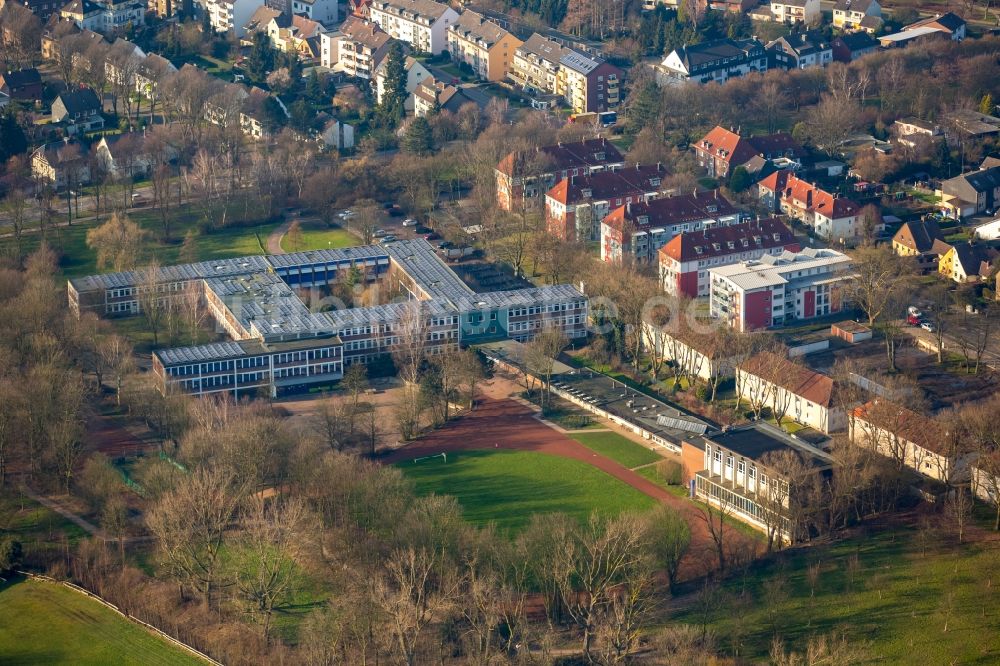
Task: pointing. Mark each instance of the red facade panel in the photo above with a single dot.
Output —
(757, 310)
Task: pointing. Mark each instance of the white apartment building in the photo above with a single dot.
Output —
(792, 390)
(321, 11)
(776, 290)
(230, 16)
(357, 48)
(423, 24)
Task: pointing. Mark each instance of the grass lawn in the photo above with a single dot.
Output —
(46, 623)
(78, 259)
(317, 235)
(895, 597)
(34, 525)
(507, 487)
(623, 451)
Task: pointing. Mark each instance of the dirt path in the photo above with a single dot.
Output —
(274, 238)
(503, 423)
(83, 523)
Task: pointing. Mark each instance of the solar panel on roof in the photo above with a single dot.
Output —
(676, 423)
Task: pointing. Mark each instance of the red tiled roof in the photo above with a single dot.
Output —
(806, 195)
(813, 386)
(736, 150)
(672, 210)
(586, 153)
(775, 181)
(715, 242)
(902, 422)
(627, 181)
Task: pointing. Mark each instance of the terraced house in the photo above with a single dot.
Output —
(423, 24)
(279, 344)
(482, 45)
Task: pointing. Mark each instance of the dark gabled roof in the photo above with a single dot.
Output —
(80, 101)
(800, 45)
(544, 48)
(695, 55)
(969, 185)
(627, 181)
(20, 78)
(857, 41)
(571, 155)
(950, 21)
(853, 5)
(670, 211)
(715, 241)
(919, 235)
(974, 258)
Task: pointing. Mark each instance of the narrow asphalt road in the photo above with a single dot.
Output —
(274, 238)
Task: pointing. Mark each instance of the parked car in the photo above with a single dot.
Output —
(386, 239)
(409, 222)
(913, 320)
(431, 236)
(444, 245)
(380, 232)
(344, 214)
(927, 326)
(913, 310)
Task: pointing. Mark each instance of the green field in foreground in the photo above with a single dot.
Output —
(622, 450)
(317, 235)
(507, 487)
(46, 623)
(898, 598)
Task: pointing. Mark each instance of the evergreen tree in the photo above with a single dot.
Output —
(419, 139)
(391, 108)
(644, 108)
(740, 179)
(12, 139)
(260, 62)
(314, 90)
(302, 116)
(986, 105)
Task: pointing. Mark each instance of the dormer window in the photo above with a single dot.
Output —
(732, 245)
(599, 156)
(712, 208)
(757, 240)
(643, 219)
(699, 249)
(587, 192)
(746, 243)
(777, 238)
(716, 247)
(655, 182)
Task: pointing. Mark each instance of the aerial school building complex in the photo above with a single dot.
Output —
(279, 345)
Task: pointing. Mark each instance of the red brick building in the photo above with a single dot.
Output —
(721, 150)
(639, 230)
(526, 175)
(575, 206)
(685, 261)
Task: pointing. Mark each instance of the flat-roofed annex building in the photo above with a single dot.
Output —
(732, 469)
(280, 345)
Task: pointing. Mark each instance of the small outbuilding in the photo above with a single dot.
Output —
(851, 332)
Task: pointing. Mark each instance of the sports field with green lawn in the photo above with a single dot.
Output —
(507, 487)
(318, 235)
(46, 623)
(623, 451)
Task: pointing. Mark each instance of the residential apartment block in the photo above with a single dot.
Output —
(722, 150)
(730, 469)
(230, 16)
(482, 45)
(522, 176)
(830, 215)
(685, 261)
(358, 49)
(325, 12)
(803, 395)
(423, 24)
(576, 205)
(279, 345)
(639, 230)
(587, 83)
(776, 290)
(104, 16)
(717, 60)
